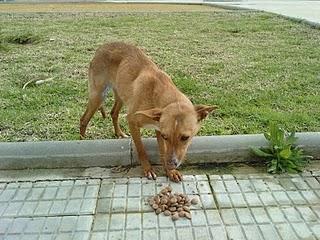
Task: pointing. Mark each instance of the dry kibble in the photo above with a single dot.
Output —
(182, 196)
(157, 199)
(187, 209)
(173, 209)
(176, 205)
(163, 207)
(181, 214)
(164, 201)
(167, 213)
(173, 200)
(164, 191)
(175, 217)
(194, 201)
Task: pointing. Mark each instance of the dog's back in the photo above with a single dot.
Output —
(118, 54)
(116, 63)
(130, 72)
(115, 52)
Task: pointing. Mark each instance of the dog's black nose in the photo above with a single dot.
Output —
(175, 162)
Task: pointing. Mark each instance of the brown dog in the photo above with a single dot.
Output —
(152, 100)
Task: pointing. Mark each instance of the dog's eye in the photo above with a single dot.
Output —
(184, 138)
(164, 137)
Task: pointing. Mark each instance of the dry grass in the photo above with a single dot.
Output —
(102, 7)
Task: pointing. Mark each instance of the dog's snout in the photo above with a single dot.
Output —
(174, 162)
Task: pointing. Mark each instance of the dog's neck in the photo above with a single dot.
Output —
(166, 93)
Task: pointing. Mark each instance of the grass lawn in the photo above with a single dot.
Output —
(255, 66)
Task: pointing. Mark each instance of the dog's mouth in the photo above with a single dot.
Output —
(174, 164)
(178, 164)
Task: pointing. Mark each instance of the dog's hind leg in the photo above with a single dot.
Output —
(93, 105)
(104, 94)
(98, 89)
(103, 111)
(115, 115)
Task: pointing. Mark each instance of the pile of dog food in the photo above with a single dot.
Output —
(176, 205)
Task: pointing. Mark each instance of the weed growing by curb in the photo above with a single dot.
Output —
(282, 154)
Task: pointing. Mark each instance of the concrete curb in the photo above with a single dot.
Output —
(65, 154)
(113, 152)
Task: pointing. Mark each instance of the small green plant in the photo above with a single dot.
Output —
(22, 38)
(3, 46)
(282, 154)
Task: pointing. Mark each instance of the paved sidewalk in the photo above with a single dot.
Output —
(299, 9)
(256, 206)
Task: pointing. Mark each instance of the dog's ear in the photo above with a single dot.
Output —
(154, 113)
(203, 110)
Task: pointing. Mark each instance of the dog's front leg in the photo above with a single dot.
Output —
(142, 154)
(173, 174)
(162, 150)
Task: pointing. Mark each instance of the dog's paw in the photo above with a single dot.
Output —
(122, 135)
(150, 174)
(174, 175)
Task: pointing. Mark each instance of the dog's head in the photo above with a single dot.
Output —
(177, 123)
